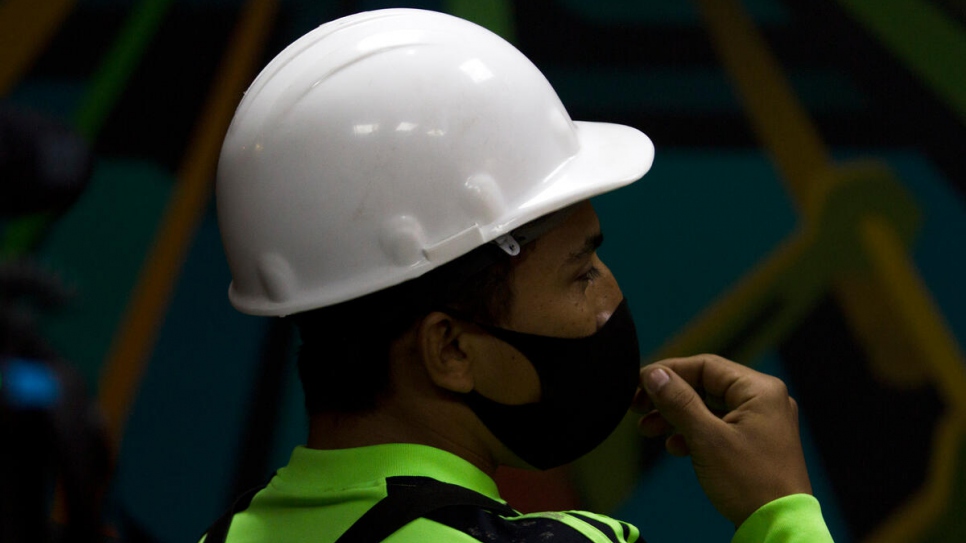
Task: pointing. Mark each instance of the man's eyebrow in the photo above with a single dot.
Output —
(591, 244)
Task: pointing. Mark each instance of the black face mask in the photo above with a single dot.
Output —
(587, 384)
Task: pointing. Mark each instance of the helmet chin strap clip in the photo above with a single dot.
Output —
(524, 235)
(508, 243)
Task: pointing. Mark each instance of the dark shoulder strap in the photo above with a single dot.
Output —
(410, 498)
(218, 532)
(407, 499)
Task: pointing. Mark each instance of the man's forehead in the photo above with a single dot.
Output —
(576, 237)
(539, 227)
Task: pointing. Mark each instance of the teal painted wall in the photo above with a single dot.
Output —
(711, 210)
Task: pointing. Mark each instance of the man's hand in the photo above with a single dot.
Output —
(739, 426)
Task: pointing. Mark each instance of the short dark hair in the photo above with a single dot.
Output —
(343, 361)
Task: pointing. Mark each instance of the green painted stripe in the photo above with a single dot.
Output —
(102, 93)
(112, 75)
(20, 234)
(496, 15)
(931, 44)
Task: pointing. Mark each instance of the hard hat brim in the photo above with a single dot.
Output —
(611, 156)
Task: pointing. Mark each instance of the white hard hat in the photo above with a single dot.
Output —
(384, 144)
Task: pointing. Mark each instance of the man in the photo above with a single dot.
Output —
(408, 187)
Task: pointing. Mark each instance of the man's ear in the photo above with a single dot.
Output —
(448, 364)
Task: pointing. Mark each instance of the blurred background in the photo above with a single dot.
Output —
(805, 216)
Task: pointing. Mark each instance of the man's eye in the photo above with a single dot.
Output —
(589, 275)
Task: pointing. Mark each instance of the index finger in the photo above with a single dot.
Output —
(718, 377)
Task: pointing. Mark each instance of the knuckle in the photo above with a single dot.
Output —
(776, 387)
(712, 358)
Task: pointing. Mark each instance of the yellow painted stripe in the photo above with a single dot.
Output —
(778, 118)
(786, 131)
(140, 325)
(919, 313)
(794, 144)
(918, 514)
(770, 280)
(26, 27)
(925, 39)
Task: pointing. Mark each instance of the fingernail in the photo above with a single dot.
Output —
(656, 380)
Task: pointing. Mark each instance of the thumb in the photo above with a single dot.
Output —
(676, 400)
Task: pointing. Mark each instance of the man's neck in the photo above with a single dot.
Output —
(393, 425)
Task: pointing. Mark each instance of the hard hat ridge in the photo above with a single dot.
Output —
(385, 144)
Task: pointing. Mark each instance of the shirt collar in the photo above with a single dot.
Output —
(312, 470)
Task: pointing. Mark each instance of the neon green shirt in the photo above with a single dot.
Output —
(792, 519)
(320, 494)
